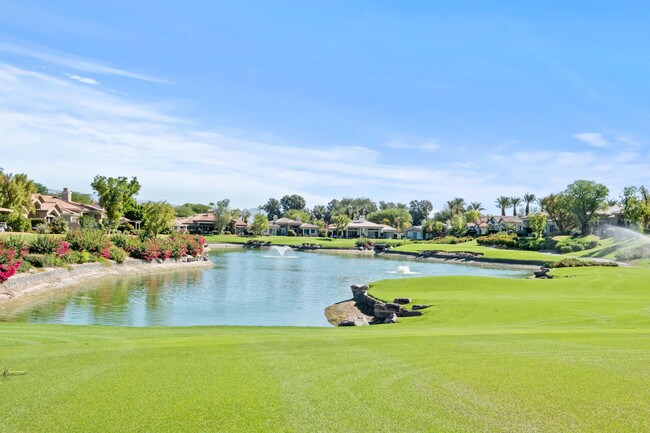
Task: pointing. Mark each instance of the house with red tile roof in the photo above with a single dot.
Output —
(50, 207)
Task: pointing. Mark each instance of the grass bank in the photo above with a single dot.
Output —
(295, 240)
(568, 354)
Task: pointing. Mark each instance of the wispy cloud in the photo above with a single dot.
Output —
(427, 146)
(72, 62)
(594, 139)
(63, 132)
(81, 79)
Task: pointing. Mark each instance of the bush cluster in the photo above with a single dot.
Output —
(642, 252)
(93, 241)
(452, 240)
(577, 263)
(501, 239)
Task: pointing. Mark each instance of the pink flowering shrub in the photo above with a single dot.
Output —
(93, 241)
(63, 249)
(10, 261)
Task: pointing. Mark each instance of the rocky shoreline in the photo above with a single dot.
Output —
(28, 286)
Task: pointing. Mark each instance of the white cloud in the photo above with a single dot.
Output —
(595, 139)
(81, 79)
(64, 132)
(72, 62)
(427, 146)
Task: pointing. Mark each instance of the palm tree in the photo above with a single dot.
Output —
(503, 202)
(514, 202)
(476, 205)
(528, 198)
(457, 205)
(612, 202)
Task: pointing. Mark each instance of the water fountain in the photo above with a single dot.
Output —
(283, 252)
(403, 270)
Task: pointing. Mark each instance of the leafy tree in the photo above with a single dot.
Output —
(235, 214)
(40, 188)
(514, 202)
(296, 214)
(458, 225)
(434, 227)
(292, 202)
(245, 215)
(222, 215)
(528, 199)
(472, 215)
(319, 212)
(503, 202)
(79, 197)
(400, 218)
(260, 224)
(611, 202)
(158, 217)
(341, 221)
(537, 223)
(272, 208)
(420, 210)
(116, 195)
(16, 193)
(645, 200)
(632, 206)
(183, 211)
(558, 210)
(88, 222)
(585, 197)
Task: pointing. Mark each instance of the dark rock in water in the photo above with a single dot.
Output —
(543, 273)
(391, 319)
(402, 301)
(420, 306)
(354, 321)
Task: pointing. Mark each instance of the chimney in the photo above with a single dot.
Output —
(362, 218)
(66, 195)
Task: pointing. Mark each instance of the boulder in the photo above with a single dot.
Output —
(402, 301)
(354, 321)
(419, 306)
(391, 319)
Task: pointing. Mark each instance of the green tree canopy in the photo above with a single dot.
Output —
(272, 208)
(260, 224)
(292, 202)
(116, 195)
(399, 218)
(537, 223)
(158, 217)
(222, 215)
(420, 210)
(585, 197)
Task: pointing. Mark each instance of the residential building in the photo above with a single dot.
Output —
(50, 207)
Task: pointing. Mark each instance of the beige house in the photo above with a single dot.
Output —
(281, 227)
(200, 223)
(49, 207)
(361, 228)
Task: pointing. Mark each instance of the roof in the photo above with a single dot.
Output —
(413, 229)
(308, 226)
(49, 203)
(238, 223)
(287, 222)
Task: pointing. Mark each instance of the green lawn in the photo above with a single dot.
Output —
(563, 355)
(488, 252)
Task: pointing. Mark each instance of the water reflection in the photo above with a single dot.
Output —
(244, 288)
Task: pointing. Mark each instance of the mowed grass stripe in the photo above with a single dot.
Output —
(568, 354)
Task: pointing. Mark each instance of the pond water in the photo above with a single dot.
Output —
(244, 288)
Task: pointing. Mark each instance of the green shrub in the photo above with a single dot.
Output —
(58, 226)
(42, 229)
(577, 263)
(14, 243)
(16, 222)
(43, 260)
(117, 254)
(501, 239)
(126, 242)
(291, 233)
(452, 240)
(93, 241)
(564, 249)
(43, 244)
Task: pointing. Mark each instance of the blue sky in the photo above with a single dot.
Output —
(392, 100)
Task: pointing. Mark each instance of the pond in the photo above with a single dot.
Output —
(244, 288)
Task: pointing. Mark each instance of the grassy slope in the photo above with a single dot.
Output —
(568, 354)
(488, 252)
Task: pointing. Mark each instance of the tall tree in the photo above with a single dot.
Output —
(476, 205)
(645, 200)
(245, 215)
(472, 215)
(222, 215)
(272, 208)
(158, 217)
(115, 195)
(585, 198)
(528, 199)
(319, 212)
(400, 218)
(420, 210)
(503, 202)
(260, 224)
(558, 210)
(456, 205)
(514, 202)
(292, 202)
(537, 222)
(341, 221)
(16, 193)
